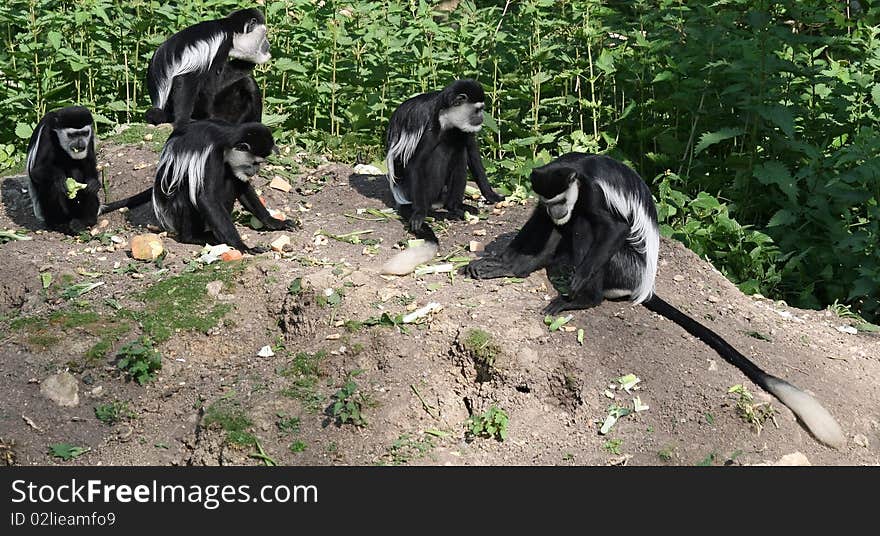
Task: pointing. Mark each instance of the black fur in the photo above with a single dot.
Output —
(222, 87)
(611, 238)
(596, 238)
(437, 169)
(49, 166)
(428, 156)
(215, 190)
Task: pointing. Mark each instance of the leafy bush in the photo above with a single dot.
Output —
(139, 360)
(491, 424)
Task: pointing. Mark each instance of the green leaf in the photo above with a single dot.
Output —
(66, 451)
(24, 131)
(295, 286)
(875, 94)
(711, 138)
(54, 39)
(782, 217)
(46, 279)
(663, 76)
(780, 116)
(775, 172)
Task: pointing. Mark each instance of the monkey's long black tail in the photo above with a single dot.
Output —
(138, 199)
(816, 418)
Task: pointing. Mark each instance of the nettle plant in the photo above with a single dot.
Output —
(768, 109)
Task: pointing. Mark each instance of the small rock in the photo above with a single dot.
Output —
(231, 255)
(146, 247)
(97, 391)
(476, 246)
(713, 299)
(793, 459)
(678, 277)
(214, 288)
(279, 243)
(61, 388)
(103, 224)
(116, 239)
(861, 440)
(847, 329)
(266, 351)
(148, 137)
(280, 184)
(366, 169)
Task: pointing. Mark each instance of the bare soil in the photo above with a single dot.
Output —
(415, 388)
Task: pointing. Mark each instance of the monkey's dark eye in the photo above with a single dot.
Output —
(243, 146)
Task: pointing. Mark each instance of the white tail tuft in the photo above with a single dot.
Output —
(406, 261)
(816, 418)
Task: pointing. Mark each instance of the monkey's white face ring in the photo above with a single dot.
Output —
(466, 117)
(244, 165)
(75, 141)
(251, 46)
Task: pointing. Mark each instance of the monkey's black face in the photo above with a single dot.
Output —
(558, 191)
(254, 145)
(463, 114)
(75, 141)
(244, 164)
(249, 38)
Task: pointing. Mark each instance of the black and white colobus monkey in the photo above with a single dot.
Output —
(598, 214)
(431, 144)
(204, 168)
(204, 71)
(63, 147)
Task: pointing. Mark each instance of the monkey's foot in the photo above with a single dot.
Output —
(562, 304)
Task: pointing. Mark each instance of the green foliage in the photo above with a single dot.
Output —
(407, 448)
(751, 413)
(482, 347)
(181, 302)
(768, 109)
(66, 451)
(704, 225)
(228, 414)
(349, 403)
(139, 360)
(613, 446)
(490, 424)
(113, 412)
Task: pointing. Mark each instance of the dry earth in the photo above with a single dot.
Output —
(416, 387)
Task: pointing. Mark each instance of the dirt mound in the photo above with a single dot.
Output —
(482, 380)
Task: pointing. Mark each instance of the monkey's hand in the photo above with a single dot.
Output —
(275, 224)
(256, 250)
(416, 221)
(486, 268)
(491, 197)
(292, 225)
(92, 186)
